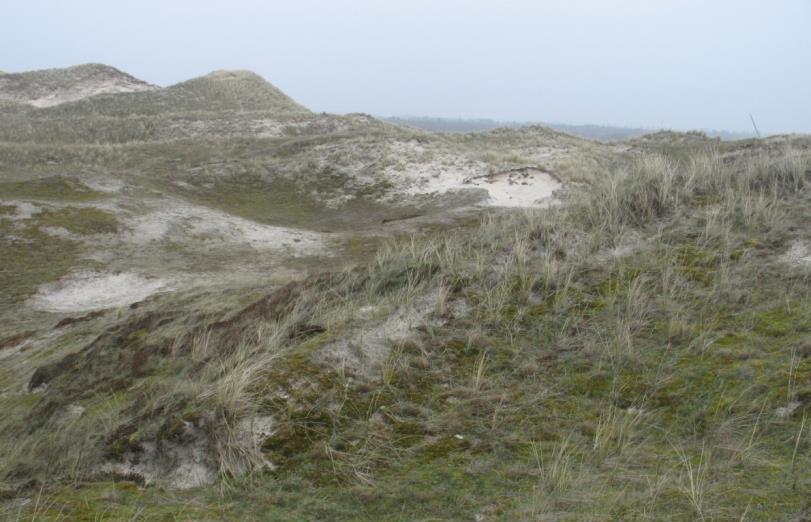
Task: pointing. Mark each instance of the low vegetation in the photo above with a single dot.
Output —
(640, 351)
(22, 251)
(79, 220)
(51, 188)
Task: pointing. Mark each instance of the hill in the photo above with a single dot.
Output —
(249, 311)
(223, 102)
(218, 91)
(50, 87)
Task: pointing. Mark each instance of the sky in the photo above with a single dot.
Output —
(679, 64)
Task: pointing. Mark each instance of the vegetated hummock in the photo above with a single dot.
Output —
(353, 320)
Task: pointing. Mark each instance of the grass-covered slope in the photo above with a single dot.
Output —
(641, 351)
(49, 87)
(217, 91)
(107, 106)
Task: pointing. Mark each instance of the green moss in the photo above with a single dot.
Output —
(617, 282)
(283, 201)
(20, 404)
(30, 258)
(441, 448)
(696, 264)
(783, 320)
(730, 340)
(53, 188)
(79, 220)
(122, 501)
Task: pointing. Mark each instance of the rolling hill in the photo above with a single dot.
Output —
(218, 305)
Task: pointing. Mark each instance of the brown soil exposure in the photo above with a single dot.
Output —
(14, 340)
(69, 321)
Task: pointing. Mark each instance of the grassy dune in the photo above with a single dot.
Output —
(640, 351)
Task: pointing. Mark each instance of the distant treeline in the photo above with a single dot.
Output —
(595, 132)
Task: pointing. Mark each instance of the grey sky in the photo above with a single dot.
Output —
(679, 64)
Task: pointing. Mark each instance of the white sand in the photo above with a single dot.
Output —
(80, 92)
(182, 465)
(87, 291)
(524, 187)
(23, 209)
(107, 185)
(59, 232)
(180, 221)
(798, 255)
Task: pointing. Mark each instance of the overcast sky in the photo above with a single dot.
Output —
(668, 63)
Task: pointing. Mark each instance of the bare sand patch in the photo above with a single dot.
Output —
(80, 92)
(799, 254)
(23, 210)
(365, 348)
(87, 291)
(183, 222)
(59, 232)
(106, 185)
(519, 187)
(182, 465)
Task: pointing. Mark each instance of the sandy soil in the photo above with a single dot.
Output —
(87, 291)
(521, 187)
(145, 232)
(799, 254)
(23, 209)
(517, 188)
(525, 188)
(185, 465)
(189, 467)
(79, 92)
(107, 185)
(365, 349)
(181, 221)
